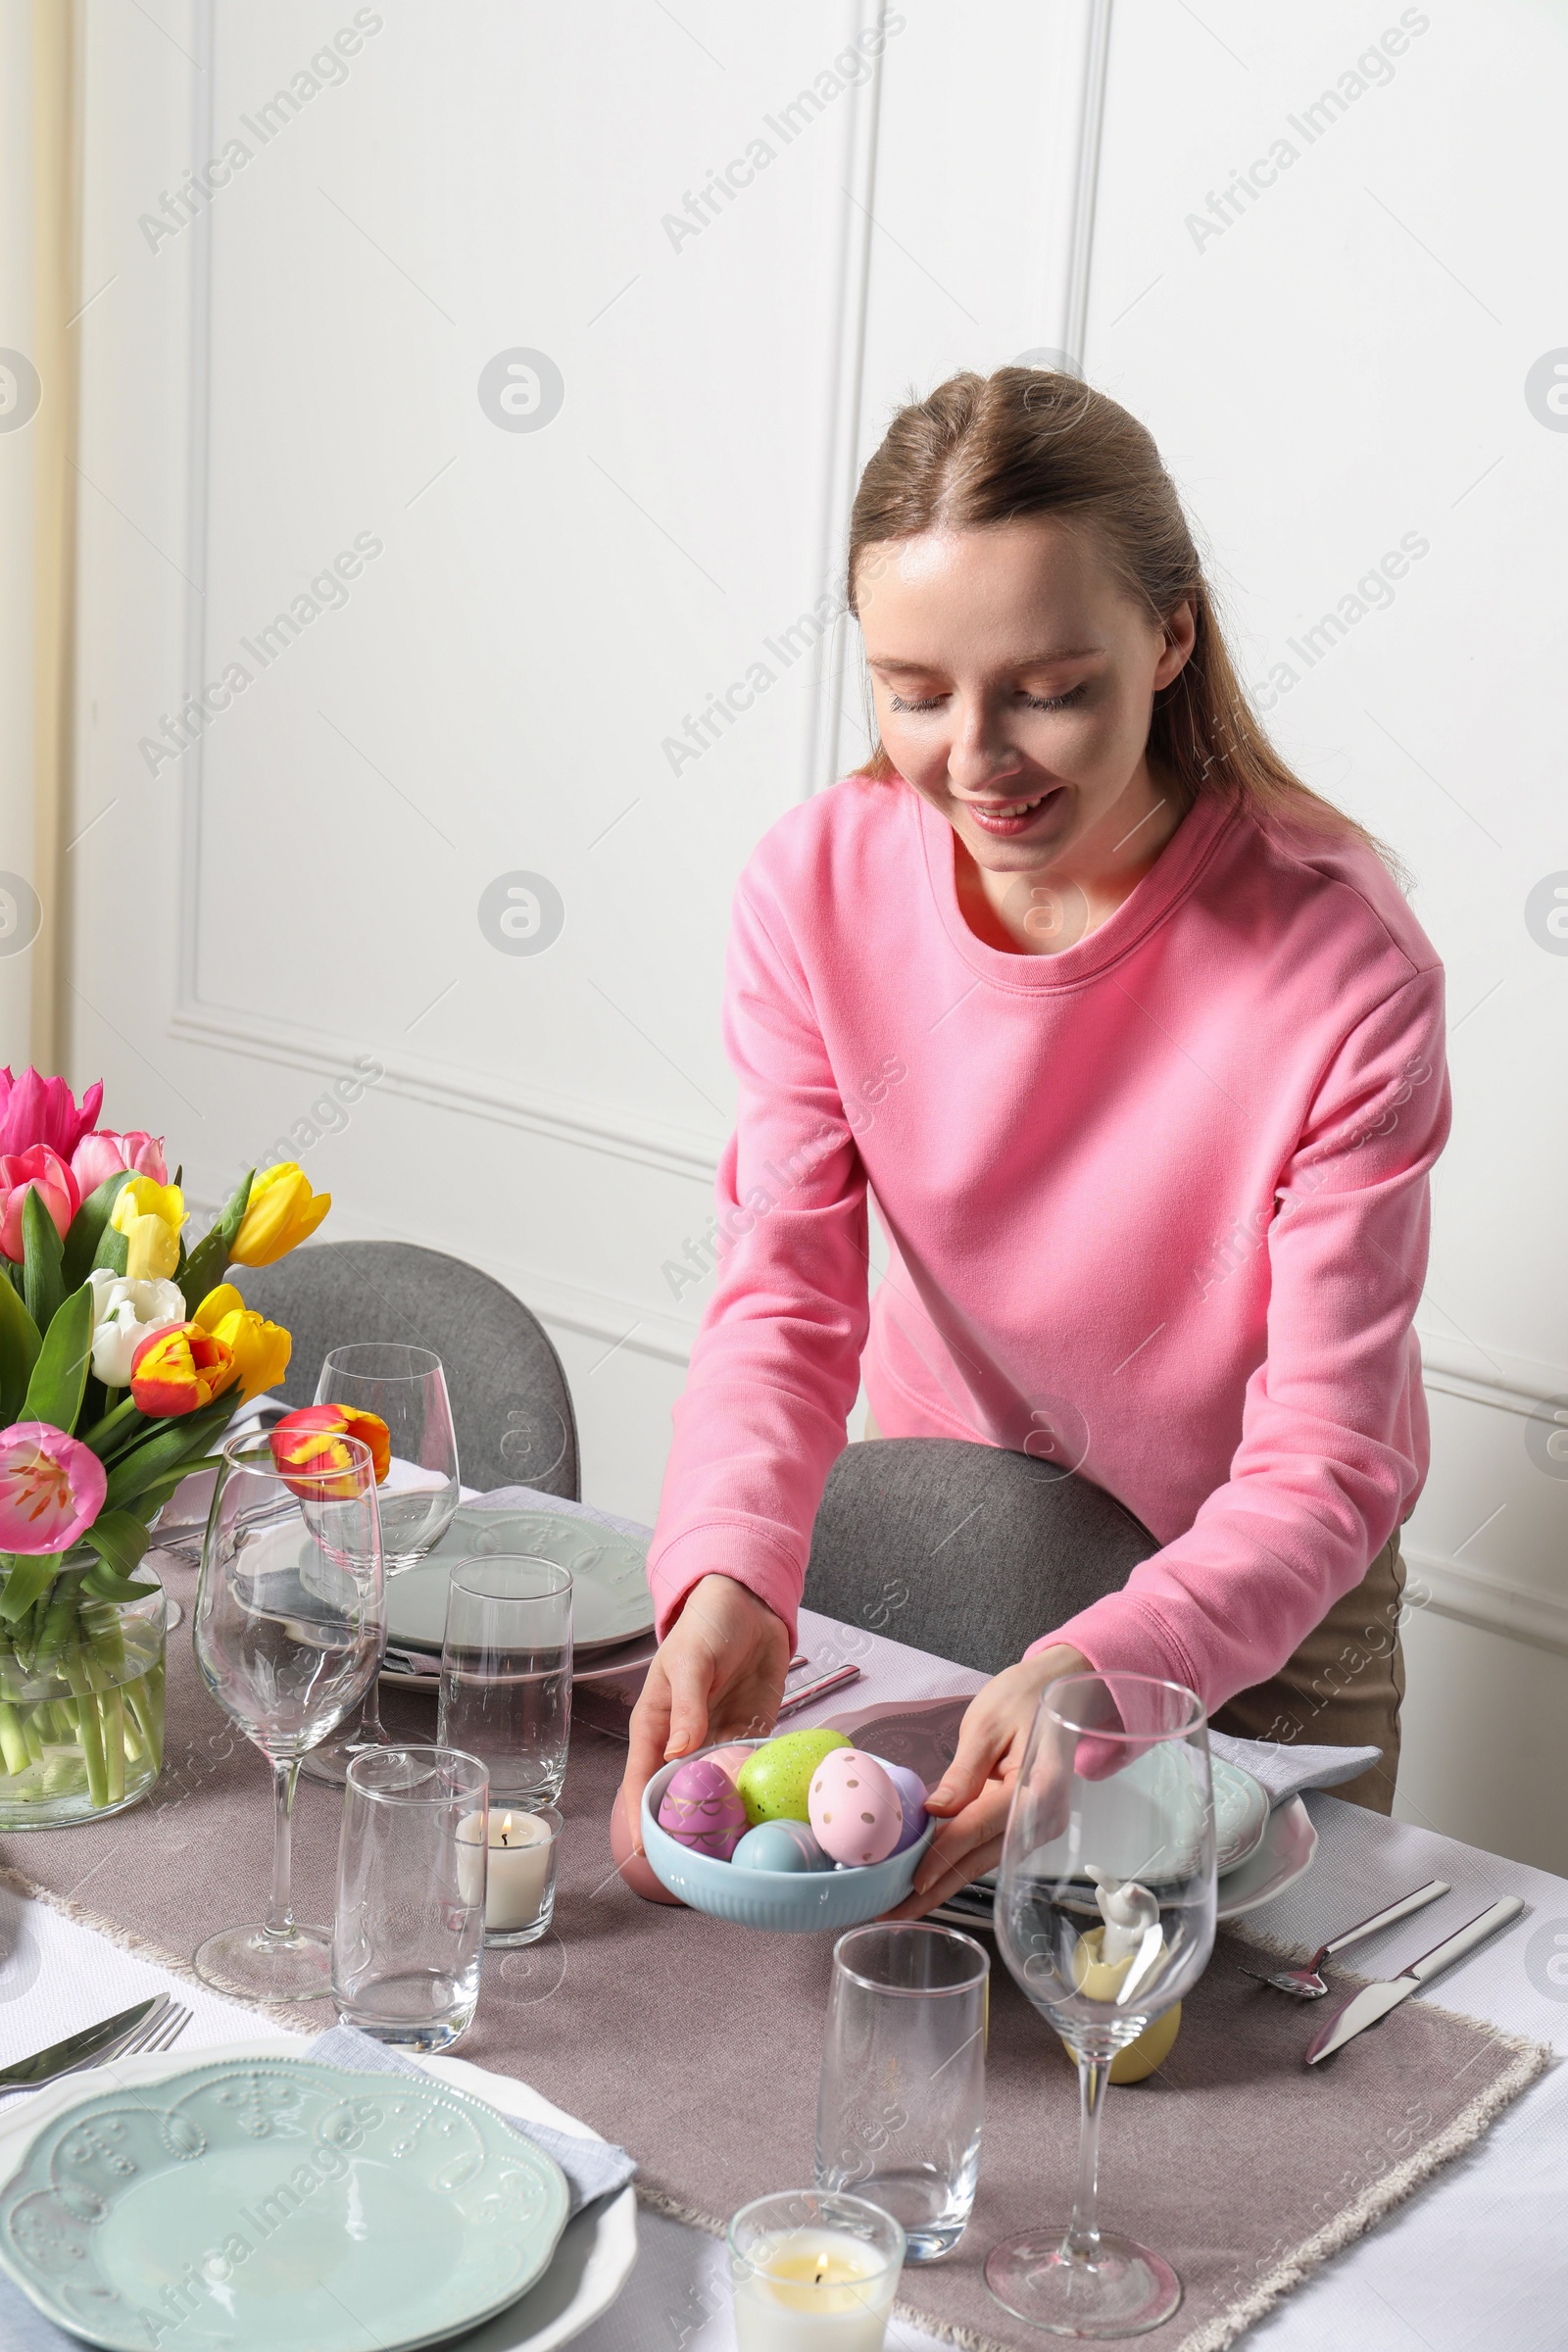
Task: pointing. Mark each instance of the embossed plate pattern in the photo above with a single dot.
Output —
(248, 2206)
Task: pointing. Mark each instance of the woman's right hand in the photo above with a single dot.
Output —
(717, 1674)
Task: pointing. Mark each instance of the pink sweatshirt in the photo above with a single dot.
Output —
(1157, 1206)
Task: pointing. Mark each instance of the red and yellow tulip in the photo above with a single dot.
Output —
(179, 1369)
(311, 1455)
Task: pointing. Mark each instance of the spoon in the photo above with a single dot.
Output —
(1306, 1984)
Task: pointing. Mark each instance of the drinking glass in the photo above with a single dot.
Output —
(1104, 1914)
(288, 1626)
(904, 2074)
(407, 1389)
(811, 2268)
(411, 1883)
(506, 1673)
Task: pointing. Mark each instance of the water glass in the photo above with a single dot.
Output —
(290, 1618)
(406, 1387)
(903, 2076)
(506, 1674)
(411, 1888)
(811, 2270)
(1104, 1914)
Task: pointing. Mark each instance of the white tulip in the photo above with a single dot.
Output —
(123, 1314)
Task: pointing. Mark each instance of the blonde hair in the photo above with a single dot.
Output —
(986, 449)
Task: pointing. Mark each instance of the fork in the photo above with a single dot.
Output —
(159, 2029)
(1306, 1983)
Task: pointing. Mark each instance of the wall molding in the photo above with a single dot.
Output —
(1493, 1604)
(1450, 1371)
(662, 1144)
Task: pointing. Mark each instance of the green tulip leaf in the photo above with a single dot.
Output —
(57, 1378)
(119, 1539)
(19, 1343)
(41, 1253)
(173, 1447)
(102, 1584)
(208, 1262)
(27, 1579)
(87, 1229)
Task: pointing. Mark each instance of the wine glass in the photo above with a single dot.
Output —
(407, 1389)
(1104, 1913)
(290, 1617)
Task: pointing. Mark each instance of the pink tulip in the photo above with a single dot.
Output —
(44, 1172)
(44, 1110)
(51, 1488)
(99, 1156)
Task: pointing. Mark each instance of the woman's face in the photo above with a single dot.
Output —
(1014, 682)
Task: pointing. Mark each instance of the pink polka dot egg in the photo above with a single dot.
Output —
(854, 1808)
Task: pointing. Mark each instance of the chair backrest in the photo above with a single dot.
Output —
(511, 1404)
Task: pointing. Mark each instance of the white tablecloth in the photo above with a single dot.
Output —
(1477, 2260)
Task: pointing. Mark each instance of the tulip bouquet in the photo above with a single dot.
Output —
(124, 1353)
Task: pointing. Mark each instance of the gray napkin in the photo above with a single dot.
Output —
(1284, 1772)
(593, 2166)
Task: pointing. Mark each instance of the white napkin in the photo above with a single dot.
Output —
(593, 2166)
(1284, 1772)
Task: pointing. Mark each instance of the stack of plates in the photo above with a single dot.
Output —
(254, 2199)
(612, 1607)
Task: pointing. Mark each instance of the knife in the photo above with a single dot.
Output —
(77, 2048)
(1373, 2001)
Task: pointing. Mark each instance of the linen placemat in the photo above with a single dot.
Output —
(696, 2045)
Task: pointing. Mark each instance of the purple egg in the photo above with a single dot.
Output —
(702, 1808)
(912, 1797)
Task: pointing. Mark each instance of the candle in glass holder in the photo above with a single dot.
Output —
(813, 2290)
(518, 1867)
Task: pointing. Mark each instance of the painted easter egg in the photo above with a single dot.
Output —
(781, 1845)
(854, 1808)
(702, 1808)
(775, 1781)
(912, 1797)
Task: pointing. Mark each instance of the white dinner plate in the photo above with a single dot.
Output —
(592, 2261)
(610, 1602)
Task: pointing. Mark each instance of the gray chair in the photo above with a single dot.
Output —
(511, 1404)
(964, 1550)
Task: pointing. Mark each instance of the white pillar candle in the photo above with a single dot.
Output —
(518, 1868)
(814, 2290)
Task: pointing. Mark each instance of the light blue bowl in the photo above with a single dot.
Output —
(791, 1903)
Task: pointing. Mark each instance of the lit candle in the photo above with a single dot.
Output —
(814, 2290)
(518, 1868)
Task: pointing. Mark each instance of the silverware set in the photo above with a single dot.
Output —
(151, 2024)
(1375, 2001)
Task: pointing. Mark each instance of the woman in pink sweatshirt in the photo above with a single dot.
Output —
(1139, 1050)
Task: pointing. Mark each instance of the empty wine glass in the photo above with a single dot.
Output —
(288, 1628)
(1104, 1914)
(406, 1387)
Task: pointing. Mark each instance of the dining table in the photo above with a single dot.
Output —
(1476, 2256)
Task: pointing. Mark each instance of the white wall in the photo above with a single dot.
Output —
(1341, 365)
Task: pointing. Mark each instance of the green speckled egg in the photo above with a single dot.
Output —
(775, 1783)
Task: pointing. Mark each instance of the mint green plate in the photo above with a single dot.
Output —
(273, 2203)
(610, 1602)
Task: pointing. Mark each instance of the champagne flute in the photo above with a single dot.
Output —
(288, 1628)
(1104, 1914)
(407, 1389)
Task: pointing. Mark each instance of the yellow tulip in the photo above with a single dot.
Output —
(261, 1350)
(282, 1211)
(150, 1216)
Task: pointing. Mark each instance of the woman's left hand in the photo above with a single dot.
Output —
(975, 1793)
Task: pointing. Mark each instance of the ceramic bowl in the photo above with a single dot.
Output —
(790, 1902)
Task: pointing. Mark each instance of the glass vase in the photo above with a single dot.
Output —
(81, 1706)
